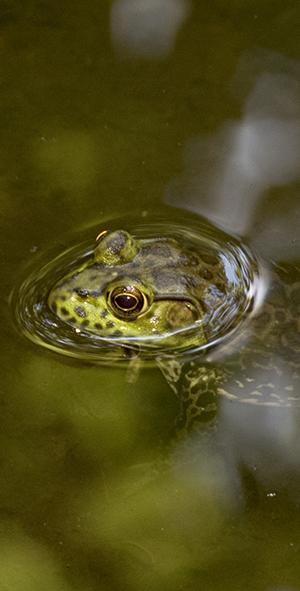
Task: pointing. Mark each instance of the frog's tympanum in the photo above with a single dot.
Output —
(148, 291)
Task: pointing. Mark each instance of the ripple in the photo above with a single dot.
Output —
(226, 313)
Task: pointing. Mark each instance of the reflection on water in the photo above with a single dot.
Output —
(146, 28)
(228, 175)
(250, 438)
(255, 455)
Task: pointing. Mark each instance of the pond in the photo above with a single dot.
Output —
(143, 107)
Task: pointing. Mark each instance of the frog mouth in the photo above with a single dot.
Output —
(175, 297)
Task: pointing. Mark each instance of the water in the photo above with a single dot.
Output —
(96, 491)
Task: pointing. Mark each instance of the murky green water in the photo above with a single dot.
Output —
(109, 107)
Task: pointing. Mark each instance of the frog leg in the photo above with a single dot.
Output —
(196, 386)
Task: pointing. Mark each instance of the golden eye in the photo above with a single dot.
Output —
(127, 301)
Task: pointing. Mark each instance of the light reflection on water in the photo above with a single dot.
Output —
(146, 28)
(228, 175)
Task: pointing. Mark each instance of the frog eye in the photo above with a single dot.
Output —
(127, 301)
(115, 248)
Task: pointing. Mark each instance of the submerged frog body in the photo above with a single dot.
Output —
(172, 296)
(150, 290)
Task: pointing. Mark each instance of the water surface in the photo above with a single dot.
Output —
(107, 108)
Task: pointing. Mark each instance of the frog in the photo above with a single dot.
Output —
(148, 292)
(123, 292)
(168, 297)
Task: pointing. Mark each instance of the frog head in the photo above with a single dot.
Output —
(131, 291)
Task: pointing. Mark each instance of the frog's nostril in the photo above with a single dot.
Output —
(80, 311)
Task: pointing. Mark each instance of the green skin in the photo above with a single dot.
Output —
(149, 290)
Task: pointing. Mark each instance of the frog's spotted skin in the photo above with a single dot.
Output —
(163, 291)
(148, 290)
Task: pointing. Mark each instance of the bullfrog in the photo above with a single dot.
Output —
(153, 292)
(168, 297)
